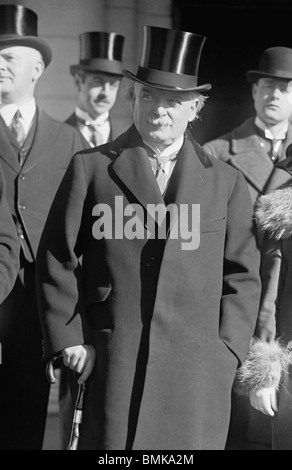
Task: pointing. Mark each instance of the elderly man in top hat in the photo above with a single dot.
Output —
(97, 78)
(255, 148)
(35, 151)
(162, 311)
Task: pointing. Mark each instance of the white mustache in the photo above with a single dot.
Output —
(159, 122)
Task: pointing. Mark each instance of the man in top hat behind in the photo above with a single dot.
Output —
(35, 151)
(254, 148)
(160, 314)
(97, 78)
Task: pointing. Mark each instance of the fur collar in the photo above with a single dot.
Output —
(273, 213)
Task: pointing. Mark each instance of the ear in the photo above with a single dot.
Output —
(38, 69)
(193, 110)
(254, 89)
(78, 80)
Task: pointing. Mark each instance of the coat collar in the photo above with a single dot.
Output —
(8, 147)
(249, 158)
(133, 168)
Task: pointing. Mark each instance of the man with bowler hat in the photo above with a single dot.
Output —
(257, 144)
(254, 148)
(97, 77)
(158, 316)
(35, 151)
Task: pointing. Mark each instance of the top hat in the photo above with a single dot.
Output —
(169, 60)
(19, 27)
(100, 52)
(275, 62)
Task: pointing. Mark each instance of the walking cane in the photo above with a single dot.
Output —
(78, 410)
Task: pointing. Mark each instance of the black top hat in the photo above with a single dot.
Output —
(100, 52)
(275, 62)
(19, 27)
(170, 60)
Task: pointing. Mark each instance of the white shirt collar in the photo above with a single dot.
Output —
(99, 121)
(27, 110)
(171, 150)
(281, 134)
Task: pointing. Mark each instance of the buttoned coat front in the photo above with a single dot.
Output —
(169, 325)
(30, 191)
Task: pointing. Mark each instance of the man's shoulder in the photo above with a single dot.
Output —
(241, 131)
(222, 145)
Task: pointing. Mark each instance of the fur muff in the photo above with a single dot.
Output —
(273, 213)
(264, 366)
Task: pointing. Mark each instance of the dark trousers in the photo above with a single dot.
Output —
(24, 389)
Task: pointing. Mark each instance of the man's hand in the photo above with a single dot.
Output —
(264, 400)
(81, 359)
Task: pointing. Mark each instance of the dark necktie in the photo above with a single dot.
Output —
(17, 128)
(275, 145)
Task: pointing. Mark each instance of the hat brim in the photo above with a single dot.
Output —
(29, 41)
(254, 75)
(101, 66)
(201, 88)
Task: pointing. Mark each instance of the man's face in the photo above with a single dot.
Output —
(160, 116)
(97, 92)
(273, 100)
(20, 68)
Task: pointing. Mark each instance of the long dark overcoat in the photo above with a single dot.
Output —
(9, 246)
(170, 326)
(30, 191)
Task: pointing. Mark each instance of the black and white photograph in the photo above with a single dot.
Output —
(145, 227)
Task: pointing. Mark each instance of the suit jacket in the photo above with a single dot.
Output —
(241, 148)
(117, 126)
(9, 245)
(31, 188)
(170, 326)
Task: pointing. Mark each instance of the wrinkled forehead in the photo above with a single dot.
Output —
(168, 94)
(19, 51)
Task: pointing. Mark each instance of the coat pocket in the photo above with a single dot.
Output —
(214, 225)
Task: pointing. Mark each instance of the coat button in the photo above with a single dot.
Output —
(22, 177)
(150, 262)
(22, 207)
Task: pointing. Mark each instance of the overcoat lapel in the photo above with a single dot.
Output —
(45, 137)
(251, 160)
(8, 147)
(190, 189)
(134, 169)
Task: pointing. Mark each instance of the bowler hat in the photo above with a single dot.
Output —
(169, 60)
(100, 52)
(19, 27)
(275, 62)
